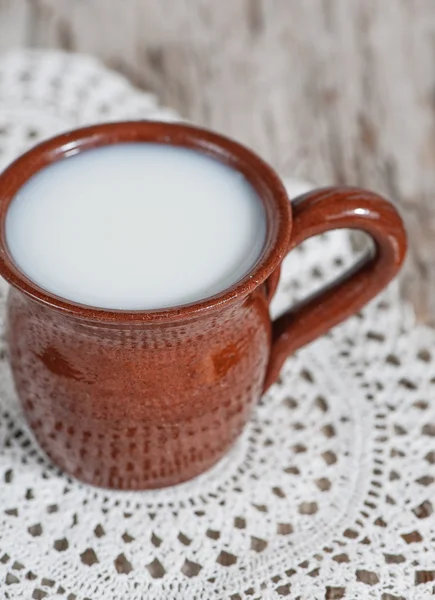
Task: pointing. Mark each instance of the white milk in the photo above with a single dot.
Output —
(136, 226)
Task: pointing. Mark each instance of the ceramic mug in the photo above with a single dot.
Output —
(145, 399)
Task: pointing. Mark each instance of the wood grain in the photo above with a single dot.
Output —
(335, 91)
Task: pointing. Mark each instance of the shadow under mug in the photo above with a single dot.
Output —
(146, 399)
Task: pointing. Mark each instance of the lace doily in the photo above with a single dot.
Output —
(327, 495)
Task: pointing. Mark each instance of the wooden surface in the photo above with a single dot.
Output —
(334, 91)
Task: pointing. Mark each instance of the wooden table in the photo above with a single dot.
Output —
(333, 91)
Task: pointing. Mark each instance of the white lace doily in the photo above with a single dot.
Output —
(329, 492)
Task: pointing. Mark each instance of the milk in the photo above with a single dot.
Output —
(136, 227)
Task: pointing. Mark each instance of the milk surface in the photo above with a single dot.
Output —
(136, 227)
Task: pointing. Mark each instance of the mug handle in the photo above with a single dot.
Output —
(323, 210)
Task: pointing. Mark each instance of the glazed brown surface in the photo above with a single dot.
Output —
(137, 407)
(143, 399)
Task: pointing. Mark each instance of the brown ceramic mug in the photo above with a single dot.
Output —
(146, 399)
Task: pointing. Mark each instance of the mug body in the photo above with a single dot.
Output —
(142, 399)
(137, 406)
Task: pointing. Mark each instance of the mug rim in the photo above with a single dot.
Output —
(261, 176)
